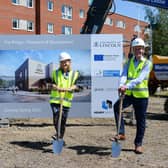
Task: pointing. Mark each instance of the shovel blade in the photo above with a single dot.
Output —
(58, 146)
(116, 149)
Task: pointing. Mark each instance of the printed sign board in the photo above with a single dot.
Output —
(161, 71)
(26, 63)
(106, 65)
(155, 3)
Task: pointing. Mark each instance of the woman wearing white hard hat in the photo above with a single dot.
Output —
(64, 56)
(134, 85)
(63, 84)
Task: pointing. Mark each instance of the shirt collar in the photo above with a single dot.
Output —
(63, 71)
(142, 59)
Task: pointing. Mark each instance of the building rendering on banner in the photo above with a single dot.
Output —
(33, 74)
(61, 17)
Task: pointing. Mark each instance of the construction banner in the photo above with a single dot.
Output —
(106, 66)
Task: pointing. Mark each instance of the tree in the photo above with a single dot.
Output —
(1, 82)
(158, 23)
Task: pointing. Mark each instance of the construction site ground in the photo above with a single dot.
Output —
(27, 143)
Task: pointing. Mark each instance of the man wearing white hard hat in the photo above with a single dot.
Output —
(134, 87)
(63, 85)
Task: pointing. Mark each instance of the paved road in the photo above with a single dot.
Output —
(29, 97)
(22, 97)
(32, 105)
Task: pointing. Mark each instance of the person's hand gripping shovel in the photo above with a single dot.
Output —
(116, 145)
(59, 142)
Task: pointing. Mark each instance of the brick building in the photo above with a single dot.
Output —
(60, 17)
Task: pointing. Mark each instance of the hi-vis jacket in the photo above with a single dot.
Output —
(141, 90)
(63, 82)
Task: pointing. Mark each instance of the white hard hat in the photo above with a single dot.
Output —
(138, 42)
(64, 56)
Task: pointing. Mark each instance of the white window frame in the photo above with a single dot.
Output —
(66, 12)
(120, 24)
(67, 30)
(137, 28)
(25, 3)
(50, 5)
(108, 21)
(50, 28)
(81, 13)
(22, 24)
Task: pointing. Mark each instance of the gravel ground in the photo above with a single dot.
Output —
(27, 143)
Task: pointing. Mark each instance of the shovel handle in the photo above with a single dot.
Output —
(120, 112)
(60, 115)
(61, 111)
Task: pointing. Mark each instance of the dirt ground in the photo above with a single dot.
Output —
(27, 143)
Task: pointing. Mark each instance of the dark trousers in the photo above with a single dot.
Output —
(140, 107)
(56, 111)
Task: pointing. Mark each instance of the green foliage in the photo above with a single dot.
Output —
(159, 24)
(1, 82)
(6, 83)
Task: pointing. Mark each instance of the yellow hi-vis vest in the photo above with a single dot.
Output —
(141, 90)
(63, 82)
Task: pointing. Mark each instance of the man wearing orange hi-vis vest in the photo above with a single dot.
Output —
(63, 84)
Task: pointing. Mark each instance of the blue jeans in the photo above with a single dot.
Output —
(140, 107)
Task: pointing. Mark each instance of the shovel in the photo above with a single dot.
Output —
(116, 145)
(58, 144)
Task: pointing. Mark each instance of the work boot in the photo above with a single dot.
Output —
(121, 137)
(138, 149)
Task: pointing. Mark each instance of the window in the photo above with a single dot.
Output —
(16, 2)
(20, 74)
(50, 5)
(66, 30)
(120, 24)
(22, 24)
(26, 3)
(66, 12)
(81, 13)
(30, 26)
(26, 73)
(50, 28)
(15, 23)
(23, 2)
(108, 21)
(137, 28)
(30, 3)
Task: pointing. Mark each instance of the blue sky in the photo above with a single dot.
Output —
(131, 9)
(10, 60)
